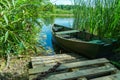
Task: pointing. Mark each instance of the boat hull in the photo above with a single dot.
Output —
(89, 50)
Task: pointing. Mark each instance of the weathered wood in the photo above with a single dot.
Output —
(62, 58)
(82, 78)
(72, 65)
(31, 77)
(67, 32)
(53, 56)
(53, 61)
(61, 61)
(43, 60)
(81, 73)
(110, 77)
(50, 61)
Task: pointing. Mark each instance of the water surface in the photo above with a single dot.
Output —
(46, 35)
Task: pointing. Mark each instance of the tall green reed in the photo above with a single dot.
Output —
(18, 30)
(100, 17)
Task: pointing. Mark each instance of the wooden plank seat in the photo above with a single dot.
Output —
(67, 32)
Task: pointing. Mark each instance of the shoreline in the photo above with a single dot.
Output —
(62, 15)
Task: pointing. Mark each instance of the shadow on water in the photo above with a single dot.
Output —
(46, 34)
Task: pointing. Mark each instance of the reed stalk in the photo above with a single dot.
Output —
(100, 17)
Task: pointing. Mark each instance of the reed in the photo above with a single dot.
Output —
(18, 30)
(100, 17)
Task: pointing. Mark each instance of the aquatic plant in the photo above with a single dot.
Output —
(100, 17)
(18, 30)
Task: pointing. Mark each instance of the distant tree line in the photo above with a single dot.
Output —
(50, 8)
(65, 7)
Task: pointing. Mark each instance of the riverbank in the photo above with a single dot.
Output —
(17, 70)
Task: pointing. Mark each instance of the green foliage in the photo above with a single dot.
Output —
(48, 20)
(65, 7)
(60, 11)
(18, 30)
(49, 7)
(101, 17)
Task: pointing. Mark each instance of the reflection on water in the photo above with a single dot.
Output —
(46, 35)
(64, 21)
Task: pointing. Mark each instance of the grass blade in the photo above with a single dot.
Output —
(5, 18)
(6, 36)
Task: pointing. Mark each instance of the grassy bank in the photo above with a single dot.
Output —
(60, 13)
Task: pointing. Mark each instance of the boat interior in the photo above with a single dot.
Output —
(76, 35)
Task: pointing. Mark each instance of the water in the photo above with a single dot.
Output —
(46, 35)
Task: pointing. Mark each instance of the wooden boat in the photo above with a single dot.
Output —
(82, 42)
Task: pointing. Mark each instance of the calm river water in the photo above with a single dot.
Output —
(46, 35)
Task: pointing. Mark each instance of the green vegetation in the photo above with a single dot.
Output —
(56, 10)
(19, 27)
(65, 7)
(47, 8)
(62, 11)
(101, 17)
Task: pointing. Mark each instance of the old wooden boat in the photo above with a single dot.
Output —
(82, 42)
